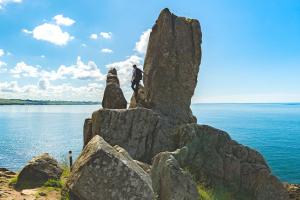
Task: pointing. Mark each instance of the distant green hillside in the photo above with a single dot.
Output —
(47, 102)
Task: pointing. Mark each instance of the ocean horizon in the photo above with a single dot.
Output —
(273, 129)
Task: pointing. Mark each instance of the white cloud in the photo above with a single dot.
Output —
(4, 2)
(106, 35)
(24, 30)
(24, 70)
(105, 50)
(142, 44)
(94, 36)
(43, 90)
(3, 66)
(83, 45)
(64, 21)
(1, 52)
(80, 70)
(51, 33)
(43, 84)
(9, 87)
(43, 56)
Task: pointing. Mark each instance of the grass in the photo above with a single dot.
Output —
(220, 193)
(57, 185)
(13, 181)
(214, 194)
(53, 183)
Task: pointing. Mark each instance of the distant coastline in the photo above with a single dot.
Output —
(44, 102)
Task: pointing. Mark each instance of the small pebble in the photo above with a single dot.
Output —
(42, 194)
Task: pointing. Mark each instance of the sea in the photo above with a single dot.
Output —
(272, 129)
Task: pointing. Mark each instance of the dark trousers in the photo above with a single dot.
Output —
(135, 85)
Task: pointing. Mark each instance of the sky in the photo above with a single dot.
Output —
(62, 49)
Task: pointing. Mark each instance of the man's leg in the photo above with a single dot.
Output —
(132, 85)
(137, 84)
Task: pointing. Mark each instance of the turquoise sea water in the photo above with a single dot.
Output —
(272, 129)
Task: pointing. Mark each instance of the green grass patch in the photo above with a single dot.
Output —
(53, 183)
(13, 181)
(214, 194)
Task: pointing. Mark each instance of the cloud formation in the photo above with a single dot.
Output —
(3, 66)
(94, 36)
(78, 81)
(24, 70)
(80, 70)
(52, 32)
(1, 52)
(106, 35)
(103, 35)
(43, 90)
(106, 50)
(142, 44)
(64, 21)
(4, 2)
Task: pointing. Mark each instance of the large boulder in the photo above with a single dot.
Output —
(141, 132)
(38, 171)
(217, 160)
(102, 172)
(113, 97)
(170, 182)
(171, 66)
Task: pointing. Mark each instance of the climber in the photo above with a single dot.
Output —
(137, 76)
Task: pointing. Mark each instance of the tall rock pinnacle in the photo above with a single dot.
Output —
(113, 97)
(172, 65)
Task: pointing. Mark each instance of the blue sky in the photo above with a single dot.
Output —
(61, 50)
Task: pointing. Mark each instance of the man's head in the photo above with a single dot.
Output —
(134, 66)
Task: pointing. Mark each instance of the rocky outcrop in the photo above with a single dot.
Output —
(213, 158)
(102, 172)
(5, 173)
(170, 182)
(38, 171)
(113, 97)
(138, 100)
(162, 126)
(172, 65)
(142, 132)
(87, 131)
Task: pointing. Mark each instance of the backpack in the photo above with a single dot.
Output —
(138, 74)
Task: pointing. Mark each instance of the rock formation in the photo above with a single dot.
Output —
(87, 131)
(101, 172)
(214, 159)
(162, 129)
(142, 132)
(171, 66)
(170, 182)
(138, 100)
(38, 171)
(113, 97)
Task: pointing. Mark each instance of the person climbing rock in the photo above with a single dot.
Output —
(137, 76)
